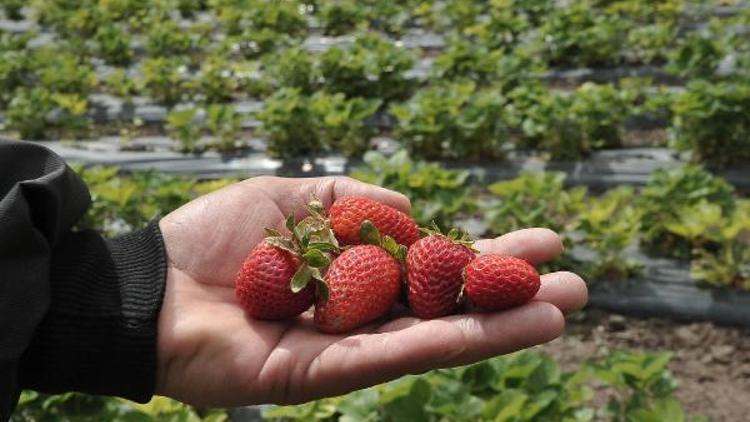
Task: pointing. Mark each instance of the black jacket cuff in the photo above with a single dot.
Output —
(99, 335)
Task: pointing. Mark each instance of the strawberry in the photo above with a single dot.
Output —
(274, 280)
(347, 215)
(434, 264)
(495, 282)
(263, 284)
(362, 285)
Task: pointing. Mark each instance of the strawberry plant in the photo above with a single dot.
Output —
(643, 387)
(340, 17)
(289, 125)
(467, 59)
(569, 126)
(579, 35)
(63, 72)
(35, 406)
(720, 250)
(36, 113)
(534, 199)
(437, 194)
(216, 80)
(113, 45)
(711, 121)
(121, 84)
(166, 38)
(524, 386)
(609, 224)
(224, 124)
(372, 66)
(293, 68)
(12, 9)
(698, 54)
(297, 124)
(165, 79)
(666, 197)
(454, 120)
(183, 126)
(341, 123)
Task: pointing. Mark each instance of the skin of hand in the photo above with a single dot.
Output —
(211, 354)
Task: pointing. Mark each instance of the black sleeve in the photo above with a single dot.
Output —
(77, 312)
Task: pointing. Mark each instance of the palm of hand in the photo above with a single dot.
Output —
(211, 354)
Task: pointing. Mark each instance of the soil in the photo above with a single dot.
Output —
(711, 363)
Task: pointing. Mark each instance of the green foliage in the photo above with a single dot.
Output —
(293, 68)
(609, 224)
(340, 16)
(711, 121)
(570, 126)
(372, 66)
(665, 199)
(224, 124)
(79, 407)
(341, 122)
(298, 125)
(454, 120)
(183, 126)
(164, 79)
(720, 242)
(37, 113)
(576, 35)
(534, 199)
(287, 123)
(217, 80)
(642, 387)
(525, 386)
(113, 44)
(121, 84)
(12, 8)
(697, 56)
(122, 204)
(437, 194)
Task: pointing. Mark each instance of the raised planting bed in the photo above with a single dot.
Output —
(603, 170)
(665, 289)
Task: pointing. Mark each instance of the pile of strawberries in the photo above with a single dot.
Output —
(354, 262)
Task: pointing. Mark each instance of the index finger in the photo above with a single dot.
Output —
(535, 245)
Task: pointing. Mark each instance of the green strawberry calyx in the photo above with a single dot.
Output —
(371, 236)
(312, 240)
(457, 236)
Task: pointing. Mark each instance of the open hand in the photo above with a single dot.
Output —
(211, 354)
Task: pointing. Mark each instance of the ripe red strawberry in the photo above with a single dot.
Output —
(495, 282)
(434, 264)
(347, 215)
(363, 283)
(263, 284)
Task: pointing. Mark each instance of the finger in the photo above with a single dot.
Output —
(445, 342)
(291, 194)
(535, 245)
(566, 290)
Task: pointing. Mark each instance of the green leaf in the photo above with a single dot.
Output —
(322, 290)
(282, 243)
(505, 407)
(301, 278)
(369, 234)
(273, 233)
(315, 258)
(290, 223)
(323, 247)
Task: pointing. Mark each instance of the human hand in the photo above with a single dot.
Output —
(211, 354)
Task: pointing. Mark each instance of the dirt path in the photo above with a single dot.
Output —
(710, 363)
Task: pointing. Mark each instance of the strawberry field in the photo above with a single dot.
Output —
(624, 125)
